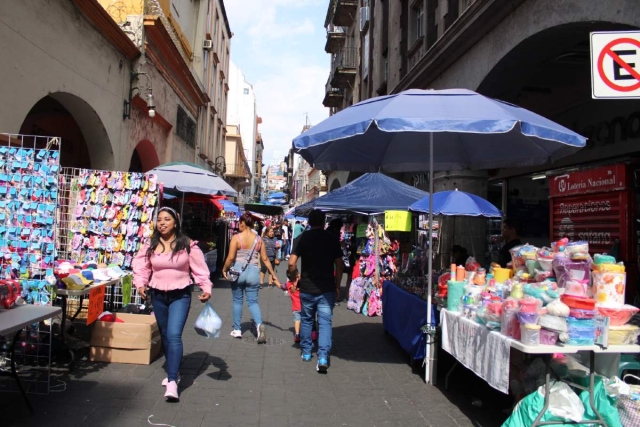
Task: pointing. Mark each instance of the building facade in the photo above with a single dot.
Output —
(242, 113)
(237, 170)
(138, 90)
(532, 53)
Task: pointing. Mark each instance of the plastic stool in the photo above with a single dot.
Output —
(628, 362)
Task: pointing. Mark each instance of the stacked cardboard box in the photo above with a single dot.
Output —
(136, 341)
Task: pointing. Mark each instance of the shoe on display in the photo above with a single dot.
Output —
(236, 333)
(172, 392)
(314, 335)
(306, 357)
(262, 338)
(322, 366)
(296, 337)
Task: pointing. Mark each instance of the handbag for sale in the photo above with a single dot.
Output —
(238, 267)
(628, 407)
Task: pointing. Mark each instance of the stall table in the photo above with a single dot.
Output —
(403, 315)
(487, 354)
(64, 295)
(12, 321)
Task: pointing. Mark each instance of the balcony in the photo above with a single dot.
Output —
(342, 12)
(237, 170)
(336, 37)
(333, 96)
(344, 67)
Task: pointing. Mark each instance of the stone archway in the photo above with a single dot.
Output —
(85, 143)
(144, 157)
(334, 185)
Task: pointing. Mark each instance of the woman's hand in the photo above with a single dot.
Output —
(204, 297)
(224, 274)
(142, 291)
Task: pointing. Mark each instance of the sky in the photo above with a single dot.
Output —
(279, 46)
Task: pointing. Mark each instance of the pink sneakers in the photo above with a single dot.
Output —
(172, 392)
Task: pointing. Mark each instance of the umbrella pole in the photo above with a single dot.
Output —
(429, 357)
(182, 206)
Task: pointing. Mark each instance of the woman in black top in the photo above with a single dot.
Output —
(269, 240)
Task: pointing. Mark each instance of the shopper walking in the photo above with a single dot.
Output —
(285, 239)
(320, 255)
(163, 268)
(269, 240)
(248, 283)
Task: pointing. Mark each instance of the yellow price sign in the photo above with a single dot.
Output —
(397, 221)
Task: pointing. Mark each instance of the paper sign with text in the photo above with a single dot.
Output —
(96, 303)
(397, 221)
(361, 231)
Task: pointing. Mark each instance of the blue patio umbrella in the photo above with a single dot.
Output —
(418, 130)
(457, 203)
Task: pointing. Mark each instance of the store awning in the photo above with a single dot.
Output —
(228, 206)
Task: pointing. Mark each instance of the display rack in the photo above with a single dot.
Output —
(106, 215)
(29, 171)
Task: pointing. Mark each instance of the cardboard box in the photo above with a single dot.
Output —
(136, 341)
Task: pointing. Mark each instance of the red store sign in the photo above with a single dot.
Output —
(606, 178)
(592, 205)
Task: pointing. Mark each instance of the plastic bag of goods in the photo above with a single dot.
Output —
(578, 250)
(520, 255)
(208, 323)
(623, 335)
(565, 269)
(553, 323)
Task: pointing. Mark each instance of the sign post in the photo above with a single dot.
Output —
(615, 65)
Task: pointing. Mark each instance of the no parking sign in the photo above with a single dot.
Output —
(615, 65)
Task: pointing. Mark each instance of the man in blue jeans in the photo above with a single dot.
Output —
(320, 255)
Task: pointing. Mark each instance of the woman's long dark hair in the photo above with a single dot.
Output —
(182, 242)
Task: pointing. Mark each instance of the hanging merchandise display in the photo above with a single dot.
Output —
(29, 168)
(106, 215)
(377, 263)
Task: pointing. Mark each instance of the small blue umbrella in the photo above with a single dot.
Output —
(457, 203)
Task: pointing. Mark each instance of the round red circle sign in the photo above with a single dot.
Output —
(607, 51)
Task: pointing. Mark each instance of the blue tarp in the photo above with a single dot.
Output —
(228, 206)
(372, 193)
(404, 315)
(279, 195)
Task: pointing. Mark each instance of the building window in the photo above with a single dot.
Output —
(417, 13)
(246, 91)
(186, 127)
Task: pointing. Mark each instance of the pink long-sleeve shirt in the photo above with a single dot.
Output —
(171, 274)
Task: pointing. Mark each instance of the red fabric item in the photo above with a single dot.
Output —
(295, 297)
(356, 270)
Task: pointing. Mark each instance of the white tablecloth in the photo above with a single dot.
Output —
(484, 352)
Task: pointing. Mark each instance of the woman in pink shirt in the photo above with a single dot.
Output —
(164, 268)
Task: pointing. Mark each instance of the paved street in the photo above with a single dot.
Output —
(235, 382)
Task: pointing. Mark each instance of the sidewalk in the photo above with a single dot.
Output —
(236, 382)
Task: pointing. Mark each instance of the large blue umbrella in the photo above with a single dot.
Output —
(418, 130)
(457, 203)
(470, 131)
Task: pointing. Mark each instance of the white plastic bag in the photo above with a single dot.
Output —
(208, 323)
(563, 402)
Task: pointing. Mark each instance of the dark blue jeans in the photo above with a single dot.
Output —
(171, 310)
(322, 305)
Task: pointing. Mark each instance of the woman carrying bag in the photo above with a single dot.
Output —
(164, 268)
(245, 274)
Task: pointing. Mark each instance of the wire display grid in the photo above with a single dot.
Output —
(106, 215)
(29, 171)
(32, 357)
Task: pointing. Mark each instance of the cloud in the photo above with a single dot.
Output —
(279, 46)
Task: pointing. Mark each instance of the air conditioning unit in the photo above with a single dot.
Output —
(364, 18)
(207, 45)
